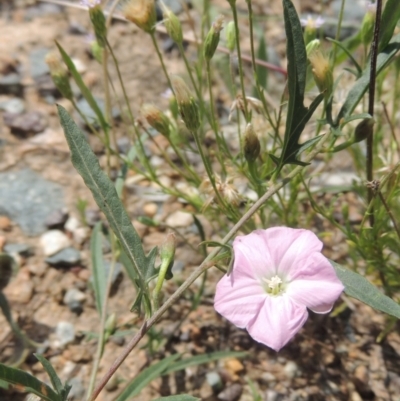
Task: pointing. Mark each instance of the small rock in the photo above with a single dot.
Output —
(75, 28)
(271, 395)
(179, 219)
(54, 241)
(79, 65)
(74, 295)
(79, 353)
(25, 124)
(92, 216)
(65, 333)
(21, 289)
(14, 106)
(72, 224)
(150, 209)
(67, 257)
(5, 223)
(231, 393)
(37, 62)
(23, 250)
(38, 269)
(291, 370)
(11, 84)
(124, 145)
(47, 88)
(57, 219)
(214, 380)
(233, 366)
(77, 391)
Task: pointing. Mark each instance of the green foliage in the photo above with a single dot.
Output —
(297, 114)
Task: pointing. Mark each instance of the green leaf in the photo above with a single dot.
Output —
(182, 397)
(55, 380)
(30, 383)
(360, 288)
(145, 377)
(98, 270)
(204, 358)
(83, 88)
(298, 115)
(105, 195)
(362, 84)
(390, 17)
(349, 55)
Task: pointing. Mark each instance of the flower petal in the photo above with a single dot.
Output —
(238, 300)
(316, 285)
(277, 322)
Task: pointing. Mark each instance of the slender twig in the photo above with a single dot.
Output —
(371, 102)
(338, 30)
(207, 263)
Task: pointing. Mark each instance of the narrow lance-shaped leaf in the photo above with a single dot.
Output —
(360, 288)
(30, 383)
(390, 17)
(297, 115)
(105, 195)
(362, 84)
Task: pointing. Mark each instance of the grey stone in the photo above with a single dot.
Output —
(27, 199)
(124, 145)
(18, 249)
(38, 64)
(11, 84)
(67, 257)
(65, 333)
(214, 380)
(57, 219)
(77, 391)
(25, 124)
(231, 393)
(74, 298)
(53, 241)
(14, 106)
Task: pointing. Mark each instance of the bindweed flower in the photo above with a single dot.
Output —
(277, 274)
(90, 3)
(310, 27)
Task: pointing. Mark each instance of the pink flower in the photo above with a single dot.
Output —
(90, 3)
(277, 274)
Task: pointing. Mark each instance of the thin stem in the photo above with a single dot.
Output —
(153, 38)
(389, 212)
(371, 103)
(241, 73)
(339, 28)
(207, 263)
(107, 100)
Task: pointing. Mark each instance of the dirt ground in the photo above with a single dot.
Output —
(332, 358)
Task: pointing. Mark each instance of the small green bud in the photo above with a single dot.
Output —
(367, 25)
(313, 46)
(97, 51)
(59, 75)
(111, 324)
(156, 119)
(142, 13)
(230, 35)
(172, 24)
(251, 144)
(212, 39)
(364, 129)
(187, 106)
(99, 24)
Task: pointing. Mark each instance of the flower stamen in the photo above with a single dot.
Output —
(274, 285)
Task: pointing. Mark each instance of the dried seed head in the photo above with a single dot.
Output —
(363, 129)
(226, 189)
(156, 119)
(99, 22)
(186, 103)
(322, 72)
(142, 13)
(251, 144)
(212, 39)
(172, 24)
(59, 75)
(367, 24)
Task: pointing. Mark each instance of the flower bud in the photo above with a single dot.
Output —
(167, 251)
(156, 119)
(99, 24)
(230, 35)
(212, 39)
(310, 27)
(367, 25)
(59, 75)
(186, 104)
(111, 324)
(172, 24)
(363, 129)
(313, 46)
(251, 144)
(322, 72)
(142, 13)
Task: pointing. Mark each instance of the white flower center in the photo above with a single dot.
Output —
(274, 285)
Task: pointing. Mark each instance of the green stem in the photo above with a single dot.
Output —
(339, 28)
(241, 73)
(153, 38)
